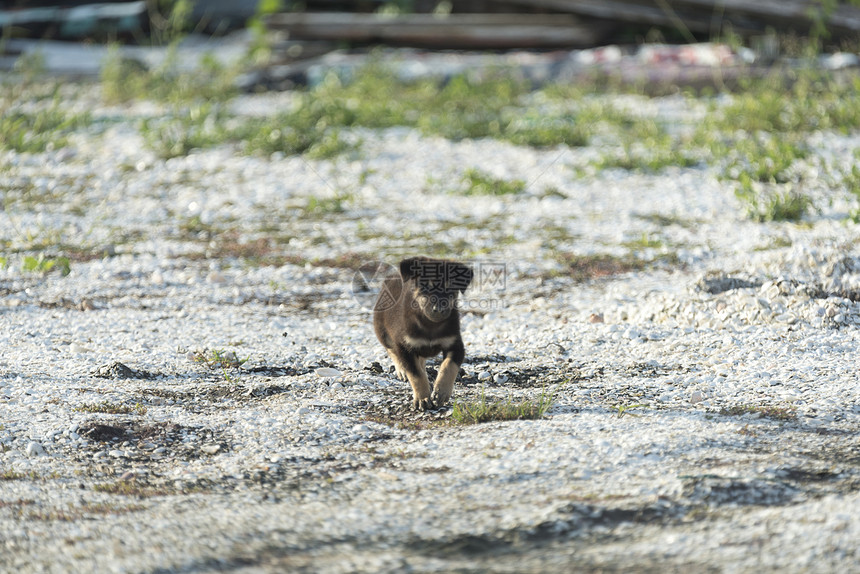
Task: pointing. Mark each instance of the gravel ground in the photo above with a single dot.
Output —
(203, 390)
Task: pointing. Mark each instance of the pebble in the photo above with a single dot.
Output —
(327, 372)
(484, 375)
(35, 449)
(77, 349)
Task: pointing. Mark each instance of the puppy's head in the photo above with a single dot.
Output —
(435, 284)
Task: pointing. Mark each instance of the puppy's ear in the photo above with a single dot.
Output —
(460, 276)
(410, 268)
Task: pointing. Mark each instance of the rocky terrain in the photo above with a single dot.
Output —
(189, 379)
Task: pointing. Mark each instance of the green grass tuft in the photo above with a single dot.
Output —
(108, 407)
(42, 264)
(36, 132)
(477, 182)
(481, 411)
(218, 359)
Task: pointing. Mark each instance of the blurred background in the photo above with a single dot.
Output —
(440, 24)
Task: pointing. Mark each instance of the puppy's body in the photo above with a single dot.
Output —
(416, 317)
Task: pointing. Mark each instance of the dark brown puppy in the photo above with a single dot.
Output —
(416, 317)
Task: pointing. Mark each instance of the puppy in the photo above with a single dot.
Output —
(416, 317)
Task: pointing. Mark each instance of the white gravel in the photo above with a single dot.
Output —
(695, 426)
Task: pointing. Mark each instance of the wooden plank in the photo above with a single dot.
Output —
(707, 16)
(844, 18)
(646, 12)
(453, 30)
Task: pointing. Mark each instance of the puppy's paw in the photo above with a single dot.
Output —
(440, 397)
(421, 404)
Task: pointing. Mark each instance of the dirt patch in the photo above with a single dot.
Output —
(119, 371)
(139, 441)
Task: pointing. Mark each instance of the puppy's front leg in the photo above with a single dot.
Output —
(413, 367)
(398, 366)
(448, 370)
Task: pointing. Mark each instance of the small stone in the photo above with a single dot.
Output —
(115, 370)
(484, 375)
(595, 318)
(35, 449)
(116, 453)
(77, 349)
(216, 277)
(211, 448)
(328, 372)
(696, 397)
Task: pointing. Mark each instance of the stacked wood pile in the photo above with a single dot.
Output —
(519, 24)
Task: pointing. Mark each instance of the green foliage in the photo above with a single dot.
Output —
(650, 154)
(36, 132)
(169, 20)
(467, 108)
(477, 182)
(197, 126)
(762, 168)
(765, 158)
(218, 359)
(260, 51)
(110, 408)
(773, 204)
(464, 107)
(850, 179)
(42, 264)
(124, 80)
(15, 475)
(295, 133)
(480, 411)
(327, 205)
(811, 100)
